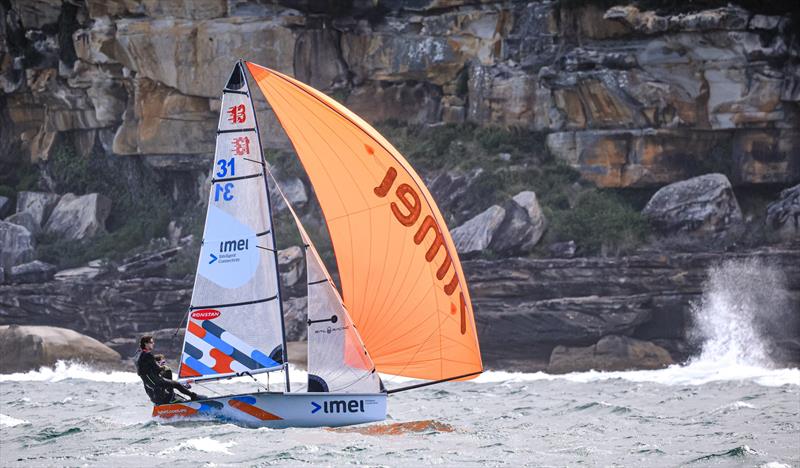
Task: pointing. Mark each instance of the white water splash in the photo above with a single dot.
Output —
(70, 370)
(739, 297)
(202, 444)
(8, 421)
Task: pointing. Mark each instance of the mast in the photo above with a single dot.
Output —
(272, 234)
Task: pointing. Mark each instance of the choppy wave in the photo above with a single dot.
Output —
(8, 421)
(694, 373)
(202, 444)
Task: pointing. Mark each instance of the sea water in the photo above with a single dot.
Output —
(695, 415)
(729, 406)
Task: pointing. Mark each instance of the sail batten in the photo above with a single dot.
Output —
(398, 266)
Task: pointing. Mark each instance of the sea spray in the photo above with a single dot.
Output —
(742, 300)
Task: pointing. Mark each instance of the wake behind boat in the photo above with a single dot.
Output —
(404, 309)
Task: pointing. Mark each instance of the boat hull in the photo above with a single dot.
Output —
(279, 410)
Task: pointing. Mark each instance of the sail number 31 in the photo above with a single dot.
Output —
(226, 167)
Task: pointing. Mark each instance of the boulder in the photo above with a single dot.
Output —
(79, 217)
(16, 245)
(291, 263)
(701, 207)
(783, 215)
(528, 200)
(27, 220)
(611, 353)
(39, 204)
(5, 206)
(476, 234)
(32, 272)
(515, 233)
(27, 348)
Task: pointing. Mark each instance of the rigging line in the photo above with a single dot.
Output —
(254, 161)
(266, 248)
(259, 234)
(180, 324)
(318, 282)
(236, 130)
(425, 384)
(257, 381)
(230, 179)
(234, 304)
(209, 389)
(231, 91)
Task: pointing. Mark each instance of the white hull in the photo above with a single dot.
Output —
(280, 410)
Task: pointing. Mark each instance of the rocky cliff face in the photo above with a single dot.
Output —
(524, 307)
(630, 98)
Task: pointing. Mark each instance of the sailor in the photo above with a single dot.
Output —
(159, 388)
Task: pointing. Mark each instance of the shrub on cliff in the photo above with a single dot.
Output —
(599, 222)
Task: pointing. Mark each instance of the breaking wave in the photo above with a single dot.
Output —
(695, 373)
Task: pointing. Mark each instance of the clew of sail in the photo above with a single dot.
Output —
(235, 322)
(402, 281)
(337, 358)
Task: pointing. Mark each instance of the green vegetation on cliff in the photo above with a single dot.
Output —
(140, 211)
(511, 160)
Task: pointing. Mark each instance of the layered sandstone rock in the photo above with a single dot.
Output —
(627, 96)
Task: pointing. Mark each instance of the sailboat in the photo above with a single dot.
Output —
(404, 309)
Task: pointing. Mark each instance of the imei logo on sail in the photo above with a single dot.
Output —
(228, 250)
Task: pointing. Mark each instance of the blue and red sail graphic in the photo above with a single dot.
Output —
(210, 349)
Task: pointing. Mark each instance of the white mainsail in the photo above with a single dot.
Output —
(235, 322)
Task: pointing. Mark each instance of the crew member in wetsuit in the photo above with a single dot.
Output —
(161, 390)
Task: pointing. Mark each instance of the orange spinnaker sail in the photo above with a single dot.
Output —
(402, 281)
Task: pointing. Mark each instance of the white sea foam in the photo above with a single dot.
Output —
(202, 444)
(8, 421)
(698, 373)
(70, 370)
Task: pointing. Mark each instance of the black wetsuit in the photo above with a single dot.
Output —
(160, 389)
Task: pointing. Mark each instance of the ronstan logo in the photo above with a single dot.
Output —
(205, 314)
